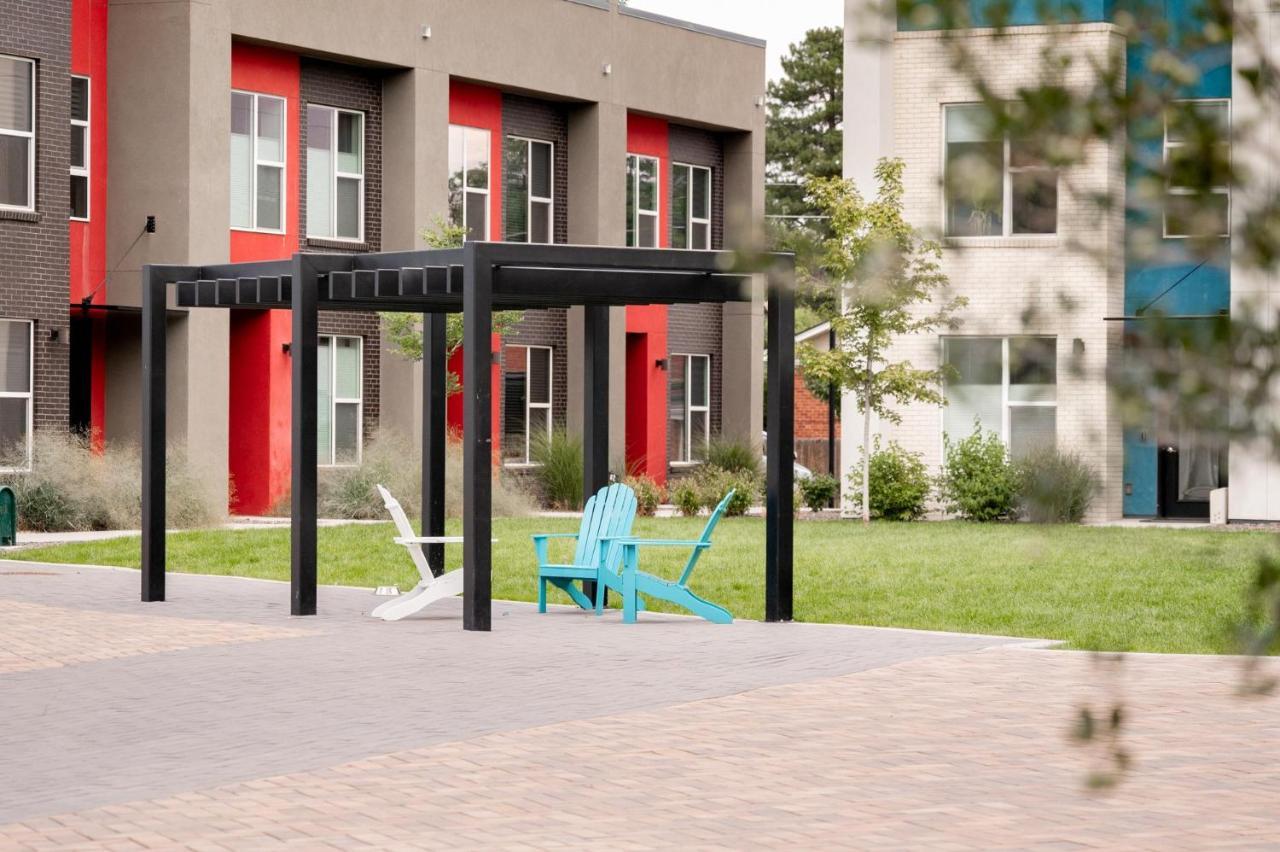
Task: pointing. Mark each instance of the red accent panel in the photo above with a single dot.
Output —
(87, 240)
(646, 424)
(260, 372)
(453, 405)
(479, 106)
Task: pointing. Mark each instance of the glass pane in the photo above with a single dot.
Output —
(676, 407)
(346, 433)
(350, 143)
(540, 167)
(79, 99)
(648, 233)
(270, 179)
(1199, 468)
(631, 201)
(1032, 428)
(241, 161)
(349, 208)
(79, 197)
(697, 435)
(539, 375)
(15, 357)
(969, 123)
(1035, 202)
(648, 184)
(701, 200)
(700, 236)
(698, 368)
(15, 94)
(319, 171)
(514, 400)
(78, 133)
(270, 129)
(974, 390)
(515, 201)
(540, 222)
(975, 188)
(324, 401)
(347, 368)
(680, 207)
(15, 160)
(13, 431)
(1188, 120)
(477, 228)
(319, 128)
(1033, 369)
(1202, 214)
(539, 424)
(477, 145)
(455, 175)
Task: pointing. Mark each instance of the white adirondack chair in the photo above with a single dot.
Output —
(431, 588)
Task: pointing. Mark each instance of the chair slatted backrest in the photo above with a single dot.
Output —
(610, 512)
(716, 514)
(406, 531)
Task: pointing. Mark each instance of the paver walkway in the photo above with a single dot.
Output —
(232, 726)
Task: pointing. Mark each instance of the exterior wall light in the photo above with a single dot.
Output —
(424, 31)
(606, 69)
(662, 364)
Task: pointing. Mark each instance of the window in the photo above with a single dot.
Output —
(690, 207)
(469, 180)
(335, 173)
(80, 148)
(15, 394)
(257, 162)
(1008, 384)
(995, 185)
(689, 408)
(339, 376)
(17, 133)
(642, 201)
(526, 399)
(527, 173)
(1197, 155)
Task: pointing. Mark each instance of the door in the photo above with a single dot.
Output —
(1188, 471)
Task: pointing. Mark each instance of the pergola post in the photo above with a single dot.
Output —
(780, 444)
(477, 453)
(154, 310)
(595, 407)
(302, 349)
(434, 378)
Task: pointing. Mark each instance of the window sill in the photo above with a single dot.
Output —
(684, 465)
(521, 465)
(259, 231)
(1028, 241)
(349, 245)
(20, 215)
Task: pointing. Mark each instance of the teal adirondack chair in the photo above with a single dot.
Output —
(632, 582)
(607, 518)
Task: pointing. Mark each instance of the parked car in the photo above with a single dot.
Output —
(799, 471)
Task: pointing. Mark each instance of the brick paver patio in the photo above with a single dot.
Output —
(234, 727)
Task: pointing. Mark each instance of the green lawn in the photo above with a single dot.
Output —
(1144, 589)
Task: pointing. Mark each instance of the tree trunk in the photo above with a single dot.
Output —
(866, 453)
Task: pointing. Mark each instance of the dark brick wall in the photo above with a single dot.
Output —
(346, 86)
(34, 253)
(696, 329)
(545, 121)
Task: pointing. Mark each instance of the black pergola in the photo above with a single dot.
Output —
(475, 280)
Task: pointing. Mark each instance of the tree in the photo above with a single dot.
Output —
(804, 134)
(404, 331)
(890, 277)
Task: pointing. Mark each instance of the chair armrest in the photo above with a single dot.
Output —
(631, 541)
(429, 539)
(540, 544)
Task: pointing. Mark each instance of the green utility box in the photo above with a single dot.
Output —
(8, 517)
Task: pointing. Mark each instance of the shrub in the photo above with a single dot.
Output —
(899, 483)
(648, 493)
(733, 456)
(392, 461)
(687, 498)
(70, 487)
(559, 474)
(818, 490)
(1055, 487)
(978, 481)
(715, 482)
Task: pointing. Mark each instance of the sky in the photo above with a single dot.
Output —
(779, 22)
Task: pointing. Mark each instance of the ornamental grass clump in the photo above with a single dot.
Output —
(1055, 486)
(978, 482)
(559, 473)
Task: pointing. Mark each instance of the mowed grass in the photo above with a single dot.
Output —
(1115, 589)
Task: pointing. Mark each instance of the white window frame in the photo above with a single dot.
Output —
(31, 148)
(335, 400)
(28, 395)
(690, 219)
(690, 409)
(335, 173)
(83, 171)
(257, 161)
(1006, 202)
(655, 213)
(1182, 190)
(1006, 404)
(488, 179)
(530, 198)
(548, 406)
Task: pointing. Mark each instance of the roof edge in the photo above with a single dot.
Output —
(684, 25)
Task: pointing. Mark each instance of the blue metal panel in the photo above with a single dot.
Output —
(1139, 473)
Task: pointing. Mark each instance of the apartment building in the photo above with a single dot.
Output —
(252, 131)
(1055, 288)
